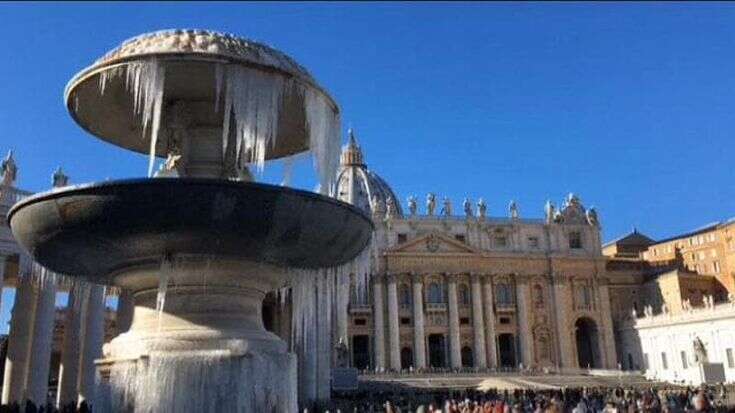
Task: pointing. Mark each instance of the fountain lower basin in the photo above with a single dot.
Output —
(93, 230)
(225, 245)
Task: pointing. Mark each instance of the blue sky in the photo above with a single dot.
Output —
(629, 105)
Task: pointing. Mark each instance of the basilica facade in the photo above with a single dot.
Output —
(452, 289)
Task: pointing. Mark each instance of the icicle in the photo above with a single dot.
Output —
(254, 99)
(324, 137)
(163, 279)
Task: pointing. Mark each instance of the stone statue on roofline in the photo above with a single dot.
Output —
(468, 208)
(482, 208)
(549, 210)
(592, 217)
(59, 179)
(446, 207)
(390, 208)
(9, 170)
(513, 210)
(412, 205)
(430, 203)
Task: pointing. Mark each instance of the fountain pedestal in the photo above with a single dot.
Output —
(204, 347)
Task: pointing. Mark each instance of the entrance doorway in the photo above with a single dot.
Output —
(406, 358)
(437, 350)
(507, 350)
(467, 359)
(361, 352)
(588, 350)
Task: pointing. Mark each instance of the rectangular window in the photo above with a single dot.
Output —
(360, 322)
(504, 320)
(730, 359)
(533, 242)
(664, 362)
(501, 242)
(575, 240)
(459, 238)
(405, 321)
(684, 362)
(401, 238)
(464, 321)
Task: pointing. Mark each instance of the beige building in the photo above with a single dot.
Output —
(468, 288)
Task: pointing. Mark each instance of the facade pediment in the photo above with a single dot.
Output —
(433, 243)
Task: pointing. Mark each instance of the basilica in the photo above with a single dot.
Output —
(467, 288)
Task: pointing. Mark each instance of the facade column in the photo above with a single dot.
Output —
(455, 353)
(563, 327)
(19, 342)
(478, 323)
(125, 307)
(69, 367)
(419, 341)
(43, 329)
(523, 321)
(93, 336)
(490, 337)
(394, 335)
(607, 338)
(378, 323)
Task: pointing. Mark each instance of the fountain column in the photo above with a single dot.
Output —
(523, 321)
(490, 338)
(92, 338)
(455, 353)
(43, 329)
(393, 326)
(378, 324)
(419, 343)
(69, 367)
(3, 262)
(478, 323)
(19, 342)
(125, 307)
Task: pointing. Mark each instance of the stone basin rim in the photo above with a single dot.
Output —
(99, 67)
(80, 189)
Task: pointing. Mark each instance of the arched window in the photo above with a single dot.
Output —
(435, 293)
(464, 295)
(405, 296)
(503, 295)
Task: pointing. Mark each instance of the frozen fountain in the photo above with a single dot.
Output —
(201, 244)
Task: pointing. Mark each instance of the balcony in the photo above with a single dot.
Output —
(436, 307)
(360, 308)
(507, 307)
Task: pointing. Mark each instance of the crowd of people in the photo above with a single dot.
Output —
(574, 400)
(30, 407)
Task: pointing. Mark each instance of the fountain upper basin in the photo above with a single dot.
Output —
(93, 230)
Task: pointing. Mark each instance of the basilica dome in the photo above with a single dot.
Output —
(358, 185)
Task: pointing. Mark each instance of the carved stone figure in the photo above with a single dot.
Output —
(9, 170)
(549, 209)
(513, 209)
(592, 217)
(633, 313)
(700, 352)
(58, 179)
(343, 354)
(468, 208)
(482, 208)
(412, 205)
(376, 204)
(686, 305)
(731, 299)
(664, 308)
(430, 203)
(447, 207)
(390, 208)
